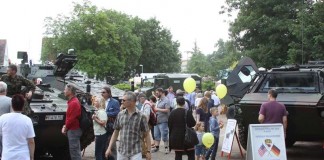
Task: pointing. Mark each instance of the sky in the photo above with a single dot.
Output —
(22, 22)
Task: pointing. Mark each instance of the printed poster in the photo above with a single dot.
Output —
(229, 135)
(267, 141)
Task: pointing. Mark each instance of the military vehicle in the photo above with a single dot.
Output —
(165, 80)
(300, 88)
(49, 105)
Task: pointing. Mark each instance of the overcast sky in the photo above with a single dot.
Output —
(188, 20)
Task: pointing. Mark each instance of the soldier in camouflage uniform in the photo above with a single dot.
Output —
(15, 82)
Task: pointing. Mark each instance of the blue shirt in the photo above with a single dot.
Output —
(112, 108)
(214, 126)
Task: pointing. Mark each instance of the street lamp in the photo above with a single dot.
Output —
(142, 67)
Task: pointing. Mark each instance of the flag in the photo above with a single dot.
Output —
(262, 150)
(275, 150)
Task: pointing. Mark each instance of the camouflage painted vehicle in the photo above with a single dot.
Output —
(49, 104)
(299, 87)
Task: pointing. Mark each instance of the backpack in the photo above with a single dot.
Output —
(152, 119)
(85, 121)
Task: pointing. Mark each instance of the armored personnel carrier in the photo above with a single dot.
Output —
(300, 88)
(49, 104)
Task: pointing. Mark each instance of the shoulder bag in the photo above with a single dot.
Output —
(191, 138)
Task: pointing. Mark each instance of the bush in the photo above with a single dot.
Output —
(208, 85)
(123, 86)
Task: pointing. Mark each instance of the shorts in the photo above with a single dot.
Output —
(161, 130)
(200, 150)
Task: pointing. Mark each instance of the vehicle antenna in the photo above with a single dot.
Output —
(302, 32)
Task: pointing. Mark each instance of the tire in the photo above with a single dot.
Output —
(242, 130)
(290, 142)
(61, 154)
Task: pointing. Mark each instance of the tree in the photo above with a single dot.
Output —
(221, 59)
(159, 52)
(198, 62)
(309, 29)
(263, 29)
(111, 44)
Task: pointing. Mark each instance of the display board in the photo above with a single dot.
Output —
(229, 136)
(266, 141)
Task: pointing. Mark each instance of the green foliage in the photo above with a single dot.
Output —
(124, 86)
(208, 85)
(159, 52)
(213, 64)
(111, 44)
(270, 32)
(198, 62)
(308, 29)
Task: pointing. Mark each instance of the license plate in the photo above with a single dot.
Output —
(53, 117)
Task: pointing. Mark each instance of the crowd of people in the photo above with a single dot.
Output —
(128, 123)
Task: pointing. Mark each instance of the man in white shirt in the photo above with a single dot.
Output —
(216, 101)
(17, 133)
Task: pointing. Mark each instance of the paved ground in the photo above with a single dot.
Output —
(300, 151)
(89, 153)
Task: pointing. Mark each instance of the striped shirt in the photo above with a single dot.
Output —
(130, 128)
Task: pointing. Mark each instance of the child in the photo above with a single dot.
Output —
(214, 127)
(200, 148)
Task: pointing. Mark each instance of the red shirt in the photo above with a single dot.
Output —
(73, 114)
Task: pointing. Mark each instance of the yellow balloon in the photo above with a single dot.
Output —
(221, 91)
(208, 140)
(189, 85)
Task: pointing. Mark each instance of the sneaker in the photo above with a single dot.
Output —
(166, 150)
(154, 150)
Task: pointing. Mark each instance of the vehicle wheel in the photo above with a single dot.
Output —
(60, 154)
(243, 134)
(290, 142)
(242, 130)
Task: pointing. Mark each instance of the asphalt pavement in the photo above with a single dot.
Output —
(300, 151)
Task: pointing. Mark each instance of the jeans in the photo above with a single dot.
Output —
(213, 149)
(190, 154)
(74, 143)
(100, 146)
(113, 155)
(161, 129)
(137, 156)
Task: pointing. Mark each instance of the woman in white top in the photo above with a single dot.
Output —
(99, 123)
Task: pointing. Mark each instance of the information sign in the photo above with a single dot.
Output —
(266, 141)
(229, 135)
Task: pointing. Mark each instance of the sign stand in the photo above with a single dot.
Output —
(266, 141)
(229, 138)
(238, 143)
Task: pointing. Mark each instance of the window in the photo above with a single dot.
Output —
(246, 74)
(295, 82)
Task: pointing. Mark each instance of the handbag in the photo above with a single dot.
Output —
(191, 138)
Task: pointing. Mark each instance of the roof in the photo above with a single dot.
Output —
(3, 44)
(178, 75)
